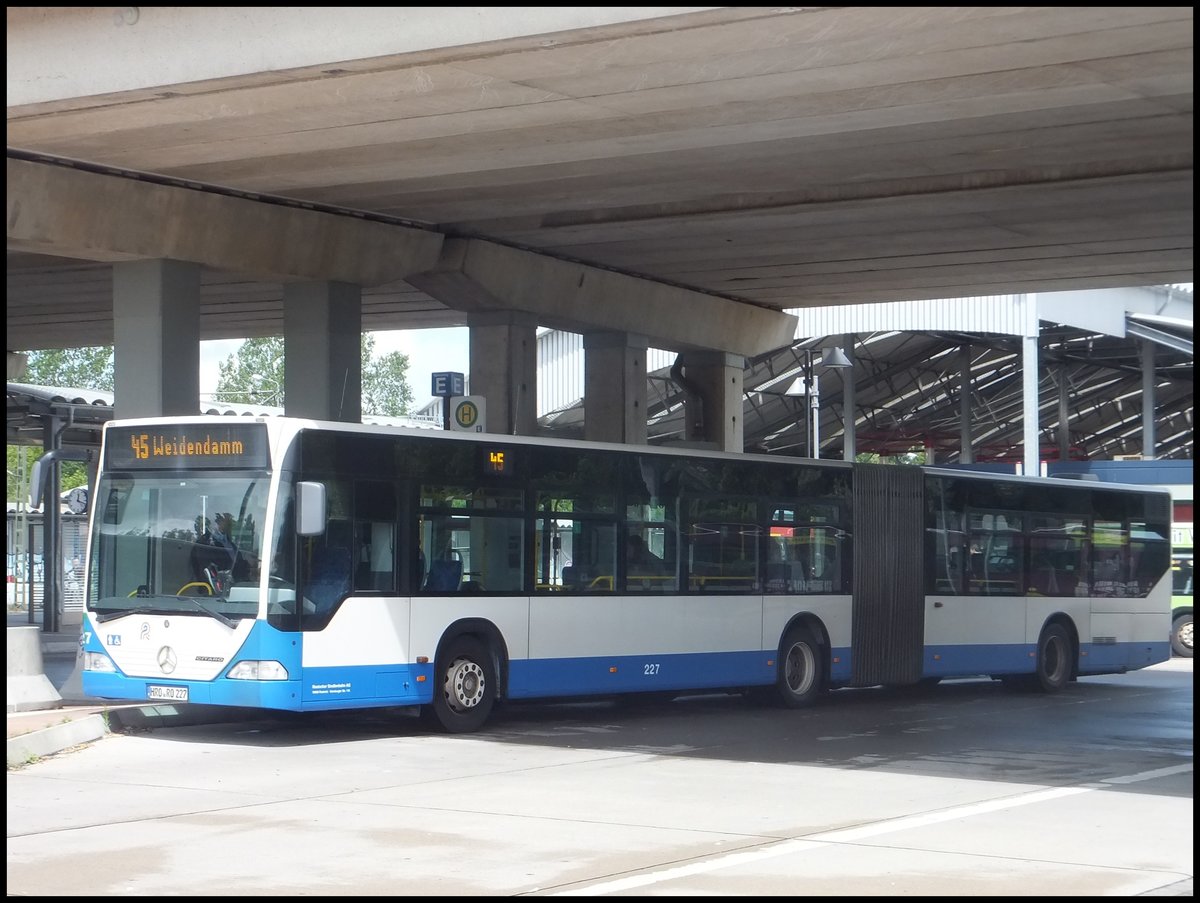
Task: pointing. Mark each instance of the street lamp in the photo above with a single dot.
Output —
(268, 390)
(834, 358)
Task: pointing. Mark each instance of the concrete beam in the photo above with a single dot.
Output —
(66, 52)
(92, 216)
(478, 275)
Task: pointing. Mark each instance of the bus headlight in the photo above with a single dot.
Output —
(98, 661)
(258, 671)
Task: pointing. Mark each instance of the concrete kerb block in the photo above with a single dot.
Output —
(29, 689)
(25, 748)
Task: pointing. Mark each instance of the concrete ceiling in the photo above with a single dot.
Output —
(777, 156)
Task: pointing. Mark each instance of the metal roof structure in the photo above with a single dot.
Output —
(907, 383)
(907, 389)
(80, 414)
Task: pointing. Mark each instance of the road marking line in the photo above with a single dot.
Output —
(847, 835)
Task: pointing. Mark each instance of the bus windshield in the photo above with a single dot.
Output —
(168, 543)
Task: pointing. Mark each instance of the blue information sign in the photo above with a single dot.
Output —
(446, 385)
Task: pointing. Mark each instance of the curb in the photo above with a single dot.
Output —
(24, 748)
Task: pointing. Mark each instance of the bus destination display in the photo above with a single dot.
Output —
(497, 462)
(186, 447)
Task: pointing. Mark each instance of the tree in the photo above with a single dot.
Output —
(74, 368)
(254, 375)
(916, 456)
(18, 477)
(67, 368)
(385, 388)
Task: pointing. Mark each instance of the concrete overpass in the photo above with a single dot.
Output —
(677, 176)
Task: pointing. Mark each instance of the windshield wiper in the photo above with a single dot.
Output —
(139, 610)
(228, 622)
(153, 610)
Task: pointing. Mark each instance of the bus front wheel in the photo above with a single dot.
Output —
(800, 679)
(1181, 636)
(465, 688)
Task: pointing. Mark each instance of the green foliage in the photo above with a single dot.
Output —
(251, 375)
(18, 480)
(916, 456)
(254, 375)
(69, 368)
(74, 368)
(385, 388)
(72, 473)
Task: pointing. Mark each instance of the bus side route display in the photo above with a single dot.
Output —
(239, 446)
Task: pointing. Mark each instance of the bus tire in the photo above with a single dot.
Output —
(800, 677)
(1054, 660)
(1181, 636)
(465, 688)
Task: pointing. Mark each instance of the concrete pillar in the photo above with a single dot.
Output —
(322, 351)
(1030, 409)
(1148, 437)
(966, 452)
(717, 378)
(156, 338)
(52, 570)
(18, 363)
(849, 435)
(1064, 415)
(614, 387)
(1030, 413)
(503, 357)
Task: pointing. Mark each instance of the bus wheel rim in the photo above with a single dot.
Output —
(801, 668)
(465, 685)
(1056, 659)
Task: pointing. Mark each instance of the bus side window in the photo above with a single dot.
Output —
(374, 536)
(375, 551)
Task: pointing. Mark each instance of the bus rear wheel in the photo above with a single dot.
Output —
(800, 678)
(1054, 660)
(465, 688)
(1181, 636)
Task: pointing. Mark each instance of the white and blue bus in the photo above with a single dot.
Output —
(297, 565)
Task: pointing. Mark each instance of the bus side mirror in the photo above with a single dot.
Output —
(39, 476)
(310, 508)
(36, 487)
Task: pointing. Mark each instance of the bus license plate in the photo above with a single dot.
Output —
(173, 694)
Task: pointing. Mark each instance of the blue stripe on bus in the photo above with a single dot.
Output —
(321, 689)
(529, 679)
(1107, 658)
(348, 686)
(979, 658)
(272, 694)
(399, 684)
(1020, 658)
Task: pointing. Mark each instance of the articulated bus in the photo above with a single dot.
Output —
(298, 565)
